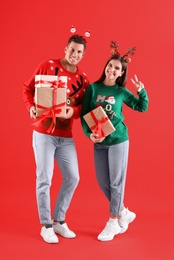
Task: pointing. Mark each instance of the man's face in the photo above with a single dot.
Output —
(74, 52)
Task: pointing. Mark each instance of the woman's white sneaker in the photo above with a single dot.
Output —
(111, 229)
(48, 235)
(126, 217)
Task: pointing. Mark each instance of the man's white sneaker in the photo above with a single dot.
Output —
(109, 231)
(63, 230)
(126, 217)
(48, 235)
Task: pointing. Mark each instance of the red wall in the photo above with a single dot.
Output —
(32, 31)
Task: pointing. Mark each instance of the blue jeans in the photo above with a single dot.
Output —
(111, 166)
(46, 148)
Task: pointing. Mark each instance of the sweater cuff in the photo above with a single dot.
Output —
(77, 111)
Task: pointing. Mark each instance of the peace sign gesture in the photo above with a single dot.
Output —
(138, 84)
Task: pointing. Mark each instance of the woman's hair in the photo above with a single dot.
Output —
(77, 39)
(121, 81)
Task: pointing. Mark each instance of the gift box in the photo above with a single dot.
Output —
(50, 95)
(49, 80)
(50, 101)
(99, 122)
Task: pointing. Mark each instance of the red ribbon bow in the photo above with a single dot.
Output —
(54, 84)
(49, 112)
(97, 128)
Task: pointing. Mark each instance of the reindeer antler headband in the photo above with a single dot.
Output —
(114, 51)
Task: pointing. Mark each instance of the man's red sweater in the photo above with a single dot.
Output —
(76, 86)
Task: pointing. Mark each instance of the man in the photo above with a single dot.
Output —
(59, 144)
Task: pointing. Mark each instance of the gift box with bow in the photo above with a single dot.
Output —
(50, 95)
(99, 122)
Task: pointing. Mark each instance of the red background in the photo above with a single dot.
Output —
(33, 31)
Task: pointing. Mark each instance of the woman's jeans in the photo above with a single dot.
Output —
(46, 148)
(111, 166)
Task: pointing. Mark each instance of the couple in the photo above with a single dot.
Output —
(111, 153)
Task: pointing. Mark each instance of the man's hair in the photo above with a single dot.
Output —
(78, 39)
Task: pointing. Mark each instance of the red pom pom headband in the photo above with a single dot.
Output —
(114, 51)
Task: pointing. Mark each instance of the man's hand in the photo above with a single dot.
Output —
(33, 112)
(69, 112)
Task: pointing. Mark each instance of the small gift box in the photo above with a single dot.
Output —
(99, 122)
(49, 80)
(50, 95)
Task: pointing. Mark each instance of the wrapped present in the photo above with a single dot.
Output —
(49, 80)
(99, 122)
(50, 98)
(50, 95)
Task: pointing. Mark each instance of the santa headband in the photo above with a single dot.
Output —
(86, 34)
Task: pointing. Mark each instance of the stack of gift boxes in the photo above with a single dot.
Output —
(50, 98)
(50, 95)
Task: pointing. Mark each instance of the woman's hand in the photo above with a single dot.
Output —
(138, 84)
(95, 138)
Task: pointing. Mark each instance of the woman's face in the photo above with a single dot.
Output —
(113, 70)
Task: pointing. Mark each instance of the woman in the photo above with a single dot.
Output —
(111, 152)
